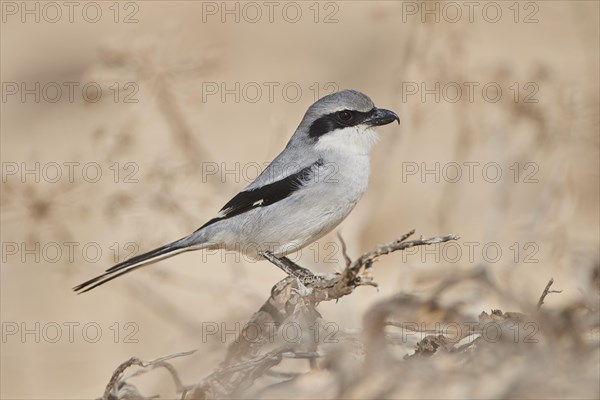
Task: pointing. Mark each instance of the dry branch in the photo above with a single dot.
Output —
(293, 300)
(117, 385)
(546, 292)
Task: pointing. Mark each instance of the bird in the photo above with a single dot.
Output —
(303, 194)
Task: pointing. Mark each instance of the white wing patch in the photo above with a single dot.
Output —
(222, 213)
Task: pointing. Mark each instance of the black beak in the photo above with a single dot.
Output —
(382, 117)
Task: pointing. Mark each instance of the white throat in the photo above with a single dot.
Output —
(352, 140)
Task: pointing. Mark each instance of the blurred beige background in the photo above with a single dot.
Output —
(542, 213)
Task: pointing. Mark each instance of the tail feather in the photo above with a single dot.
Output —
(134, 263)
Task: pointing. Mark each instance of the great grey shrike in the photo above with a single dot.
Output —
(306, 191)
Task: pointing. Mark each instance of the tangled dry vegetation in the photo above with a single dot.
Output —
(532, 353)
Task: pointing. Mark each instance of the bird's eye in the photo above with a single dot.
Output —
(344, 116)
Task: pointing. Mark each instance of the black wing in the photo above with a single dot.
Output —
(265, 195)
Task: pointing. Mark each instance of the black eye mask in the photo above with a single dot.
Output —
(338, 120)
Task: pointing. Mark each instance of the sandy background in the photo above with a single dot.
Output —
(542, 213)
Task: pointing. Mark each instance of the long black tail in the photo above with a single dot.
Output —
(166, 251)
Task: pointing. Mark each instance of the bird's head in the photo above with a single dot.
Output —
(344, 120)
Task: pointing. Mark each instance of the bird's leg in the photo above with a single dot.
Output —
(289, 267)
(277, 262)
(298, 270)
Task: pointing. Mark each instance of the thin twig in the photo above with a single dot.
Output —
(344, 249)
(546, 292)
(114, 379)
(396, 245)
(350, 277)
